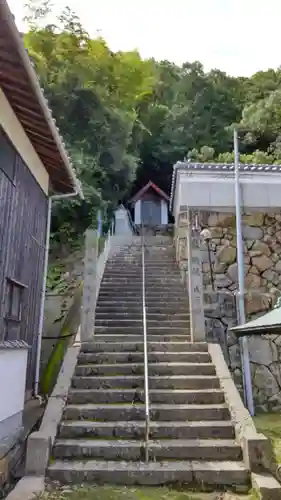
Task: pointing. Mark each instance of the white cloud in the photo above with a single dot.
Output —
(237, 36)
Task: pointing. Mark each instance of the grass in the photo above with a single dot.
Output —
(270, 425)
(132, 493)
(117, 493)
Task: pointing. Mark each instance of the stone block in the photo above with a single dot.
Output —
(252, 281)
(266, 486)
(252, 233)
(256, 449)
(222, 281)
(262, 351)
(262, 263)
(278, 266)
(255, 219)
(27, 488)
(217, 232)
(271, 276)
(226, 255)
(278, 236)
(233, 271)
(38, 453)
(261, 247)
(257, 302)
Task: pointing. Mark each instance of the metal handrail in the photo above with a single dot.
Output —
(146, 388)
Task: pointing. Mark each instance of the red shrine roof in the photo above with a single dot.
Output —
(145, 188)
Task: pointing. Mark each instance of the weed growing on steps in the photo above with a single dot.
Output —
(133, 493)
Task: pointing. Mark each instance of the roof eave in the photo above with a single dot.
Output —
(137, 196)
(243, 332)
(34, 82)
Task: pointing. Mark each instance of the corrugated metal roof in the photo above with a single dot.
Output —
(268, 323)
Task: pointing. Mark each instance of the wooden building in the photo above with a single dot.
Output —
(34, 166)
(150, 206)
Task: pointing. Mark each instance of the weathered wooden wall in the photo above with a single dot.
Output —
(23, 217)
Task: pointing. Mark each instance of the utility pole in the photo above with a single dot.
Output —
(241, 288)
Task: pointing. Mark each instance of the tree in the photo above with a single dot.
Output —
(127, 120)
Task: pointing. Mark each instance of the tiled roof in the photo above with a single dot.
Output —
(137, 196)
(219, 167)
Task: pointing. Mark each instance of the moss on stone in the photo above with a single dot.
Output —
(270, 425)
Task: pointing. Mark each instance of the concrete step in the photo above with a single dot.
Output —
(130, 273)
(138, 330)
(159, 298)
(153, 301)
(133, 315)
(174, 382)
(125, 295)
(127, 337)
(158, 430)
(134, 307)
(150, 281)
(136, 271)
(137, 287)
(209, 449)
(138, 357)
(166, 369)
(165, 396)
(130, 322)
(101, 345)
(158, 412)
(204, 474)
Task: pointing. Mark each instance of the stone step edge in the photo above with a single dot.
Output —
(150, 353)
(154, 406)
(218, 473)
(151, 391)
(158, 443)
(153, 424)
(160, 363)
(140, 341)
(141, 377)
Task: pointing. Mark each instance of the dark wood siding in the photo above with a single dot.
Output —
(23, 218)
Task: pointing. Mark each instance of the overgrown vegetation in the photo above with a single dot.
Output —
(134, 493)
(270, 425)
(127, 120)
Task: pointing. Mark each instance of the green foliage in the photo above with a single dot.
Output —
(127, 120)
(119, 493)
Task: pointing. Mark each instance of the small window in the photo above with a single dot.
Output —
(14, 300)
(7, 156)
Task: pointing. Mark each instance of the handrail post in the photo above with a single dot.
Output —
(90, 286)
(146, 389)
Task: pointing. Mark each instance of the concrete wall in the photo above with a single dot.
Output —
(13, 363)
(17, 135)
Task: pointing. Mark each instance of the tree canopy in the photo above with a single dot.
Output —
(127, 120)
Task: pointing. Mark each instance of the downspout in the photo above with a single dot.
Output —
(43, 291)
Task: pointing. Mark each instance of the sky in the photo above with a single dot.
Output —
(236, 36)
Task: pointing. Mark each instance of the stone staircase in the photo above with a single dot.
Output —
(101, 437)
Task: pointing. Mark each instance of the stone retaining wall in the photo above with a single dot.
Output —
(262, 264)
(262, 256)
(265, 351)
